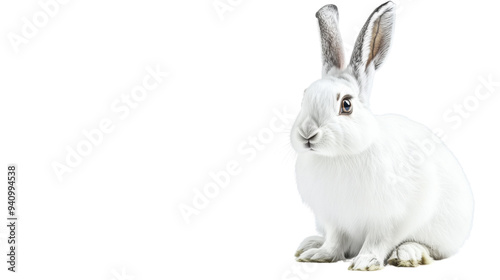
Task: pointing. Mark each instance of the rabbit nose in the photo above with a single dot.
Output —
(311, 137)
(308, 128)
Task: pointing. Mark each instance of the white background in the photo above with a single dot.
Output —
(116, 215)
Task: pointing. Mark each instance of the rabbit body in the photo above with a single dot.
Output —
(403, 187)
(382, 188)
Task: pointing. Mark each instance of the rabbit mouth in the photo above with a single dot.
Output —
(309, 146)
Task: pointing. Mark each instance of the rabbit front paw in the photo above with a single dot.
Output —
(320, 255)
(366, 262)
(309, 243)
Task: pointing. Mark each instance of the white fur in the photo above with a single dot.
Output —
(374, 182)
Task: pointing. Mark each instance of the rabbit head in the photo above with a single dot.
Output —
(335, 118)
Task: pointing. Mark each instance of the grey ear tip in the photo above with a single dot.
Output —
(388, 5)
(327, 9)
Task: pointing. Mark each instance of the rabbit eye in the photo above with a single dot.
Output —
(346, 106)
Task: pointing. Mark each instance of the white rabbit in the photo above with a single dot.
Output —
(383, 189)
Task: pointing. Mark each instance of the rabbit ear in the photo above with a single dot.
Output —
(373, 42)
(331, 42)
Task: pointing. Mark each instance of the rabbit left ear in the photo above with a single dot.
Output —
(374, 39)
(331, 42)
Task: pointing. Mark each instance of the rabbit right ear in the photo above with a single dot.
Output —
(372, 45)
(374, 39)
(331, 42)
